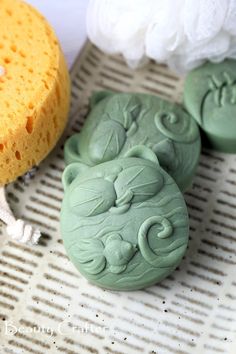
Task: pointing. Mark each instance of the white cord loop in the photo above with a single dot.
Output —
(17, 229)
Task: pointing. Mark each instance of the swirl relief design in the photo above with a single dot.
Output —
(121, 121)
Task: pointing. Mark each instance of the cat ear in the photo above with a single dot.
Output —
(99, 96)
(71, 172)
(166, 154)
(142, 152)
(71, 150)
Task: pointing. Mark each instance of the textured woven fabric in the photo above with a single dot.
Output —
(181, 33)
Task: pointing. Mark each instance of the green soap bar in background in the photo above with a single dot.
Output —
(210, 97)
(124, 222)
(117, 122)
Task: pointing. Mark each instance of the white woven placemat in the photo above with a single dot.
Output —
(47, 307)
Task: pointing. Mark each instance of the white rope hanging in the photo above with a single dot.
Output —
(17, 229)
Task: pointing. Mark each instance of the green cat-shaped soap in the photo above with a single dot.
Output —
(124, 222)
(119, 121)
(210, 96)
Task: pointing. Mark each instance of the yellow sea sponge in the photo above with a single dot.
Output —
(34, 89)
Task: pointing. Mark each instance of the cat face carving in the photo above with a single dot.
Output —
(124, 222)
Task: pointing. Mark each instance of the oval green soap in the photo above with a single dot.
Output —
(124, 222)
(117, 122)
(210, 97)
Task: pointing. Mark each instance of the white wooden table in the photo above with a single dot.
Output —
(68, 20)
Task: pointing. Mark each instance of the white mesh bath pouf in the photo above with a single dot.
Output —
(18, 229)
(141, 29)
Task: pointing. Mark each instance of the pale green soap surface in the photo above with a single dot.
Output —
(118, 122)
(210, 97)
(124, 222)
